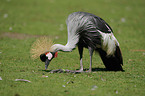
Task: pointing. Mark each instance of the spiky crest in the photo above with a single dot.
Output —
(41, 45)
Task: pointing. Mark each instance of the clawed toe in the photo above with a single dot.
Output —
(80, 70)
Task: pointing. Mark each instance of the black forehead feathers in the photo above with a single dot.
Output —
(43, 57)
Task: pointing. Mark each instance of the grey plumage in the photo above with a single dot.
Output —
(92, 32)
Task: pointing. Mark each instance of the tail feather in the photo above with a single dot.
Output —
(113, 62)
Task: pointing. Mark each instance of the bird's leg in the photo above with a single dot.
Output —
(91, 50)
(80, 48)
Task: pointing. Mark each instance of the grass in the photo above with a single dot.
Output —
(29, 19)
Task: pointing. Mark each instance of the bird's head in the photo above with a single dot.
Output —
(47, 57)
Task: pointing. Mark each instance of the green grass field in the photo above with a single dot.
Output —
(23, 21)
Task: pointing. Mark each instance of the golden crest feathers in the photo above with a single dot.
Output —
(40, 46)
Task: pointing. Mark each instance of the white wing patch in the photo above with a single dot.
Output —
(109, 42)
(49, 55)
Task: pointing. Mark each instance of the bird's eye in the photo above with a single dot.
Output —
(49, 55)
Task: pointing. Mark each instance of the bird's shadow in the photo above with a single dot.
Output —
(97, 69)
(74, 71)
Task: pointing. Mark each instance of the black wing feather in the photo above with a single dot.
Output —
(102, 25)
(112, 63)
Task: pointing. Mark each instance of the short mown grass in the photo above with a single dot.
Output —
(29, 19)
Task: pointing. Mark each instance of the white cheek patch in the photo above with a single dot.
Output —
(49, 55)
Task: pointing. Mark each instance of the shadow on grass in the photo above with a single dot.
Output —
(74, 71)
(101, 69)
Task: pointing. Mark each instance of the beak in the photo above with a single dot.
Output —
(46, 63)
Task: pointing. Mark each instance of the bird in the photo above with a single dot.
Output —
(86, 30)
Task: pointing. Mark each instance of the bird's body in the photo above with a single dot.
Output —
(87, 30)
(92, 32)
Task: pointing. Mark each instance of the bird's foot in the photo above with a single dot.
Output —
(79, 71)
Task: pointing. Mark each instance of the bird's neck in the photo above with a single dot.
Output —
(59, 47)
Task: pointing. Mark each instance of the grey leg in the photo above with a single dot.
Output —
(81, 56)
(91, 50)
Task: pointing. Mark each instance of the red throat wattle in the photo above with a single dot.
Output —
(55, 55)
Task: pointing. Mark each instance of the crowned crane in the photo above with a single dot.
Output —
(86, 30)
